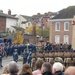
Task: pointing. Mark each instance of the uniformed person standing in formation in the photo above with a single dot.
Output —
(25, 55)
(29, 58)
(0, 58)
(15, 56)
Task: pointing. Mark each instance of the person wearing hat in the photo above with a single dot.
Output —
(29, 57)
(15, 56)
(25, 55)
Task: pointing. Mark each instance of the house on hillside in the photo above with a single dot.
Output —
(42, 19)
(61, 27)
(7, 21)
(24, 21)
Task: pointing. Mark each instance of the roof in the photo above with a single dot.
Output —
(6, 15)
(27, 17)
(18, 28)
(68, 12)
(37, 16)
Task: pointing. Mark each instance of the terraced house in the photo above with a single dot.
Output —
(62, 29)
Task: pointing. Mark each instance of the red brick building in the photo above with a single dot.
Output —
(2, 23)
(61, 31)
(6, 20)
(61, 28)
(42, 19)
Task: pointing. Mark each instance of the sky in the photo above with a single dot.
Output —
(32, 7)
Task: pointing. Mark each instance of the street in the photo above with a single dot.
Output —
(6, 60)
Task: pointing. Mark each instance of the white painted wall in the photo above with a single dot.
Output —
(10, 22)
(20, 20)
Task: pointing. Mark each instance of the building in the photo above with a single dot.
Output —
(24, 21)
(42, 19)
(7, 21)
(61, 27)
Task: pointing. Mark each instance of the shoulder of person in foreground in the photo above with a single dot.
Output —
(39, 74)
(4, 74)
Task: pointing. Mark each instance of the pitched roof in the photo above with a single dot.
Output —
(37, 16)
(69, 12)
(6, 15)
(18, 28)
(27, 17)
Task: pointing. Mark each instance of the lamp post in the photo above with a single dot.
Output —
(37, 38)
(28, 36)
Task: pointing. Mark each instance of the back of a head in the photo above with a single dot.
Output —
(70, 71)
(26, 70)
(59, 59)
(46, 66)
(13, 68)
(39, 63)
(57, 66)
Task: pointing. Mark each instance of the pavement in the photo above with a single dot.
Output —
(6, 60)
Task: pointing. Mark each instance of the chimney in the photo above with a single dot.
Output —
(9, 12)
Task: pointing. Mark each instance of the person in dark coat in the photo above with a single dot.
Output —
(1, 59)
(46, 69)
(25, 55)
(29, 58)
(69, 47)
(15, 56)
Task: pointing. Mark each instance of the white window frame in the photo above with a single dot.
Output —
(57, 39)
(65, 26)
(56, 25)
(66, 40)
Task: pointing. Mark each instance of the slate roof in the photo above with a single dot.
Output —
(68, 12)
(6, 15)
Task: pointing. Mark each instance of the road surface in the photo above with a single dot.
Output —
(6, 60)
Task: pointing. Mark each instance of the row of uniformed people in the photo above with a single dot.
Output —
(20, 48)
(26, 56)
(49, 46)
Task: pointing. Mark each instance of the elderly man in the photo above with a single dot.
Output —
(46, 69)
(70, 71)
(57, 68)
(13, 68)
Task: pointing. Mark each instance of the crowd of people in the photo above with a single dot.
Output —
(41, 68)
(26, 54)
(49, 46)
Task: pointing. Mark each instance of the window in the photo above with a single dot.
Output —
(66, 39)
(57, 26)
(66, 26)
(57, 39)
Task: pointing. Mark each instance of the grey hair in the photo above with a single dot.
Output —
(13, 67)
(58, 66)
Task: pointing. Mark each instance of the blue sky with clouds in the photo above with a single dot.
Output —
(31, 7)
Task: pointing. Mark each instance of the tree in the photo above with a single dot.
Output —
(39, 31)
